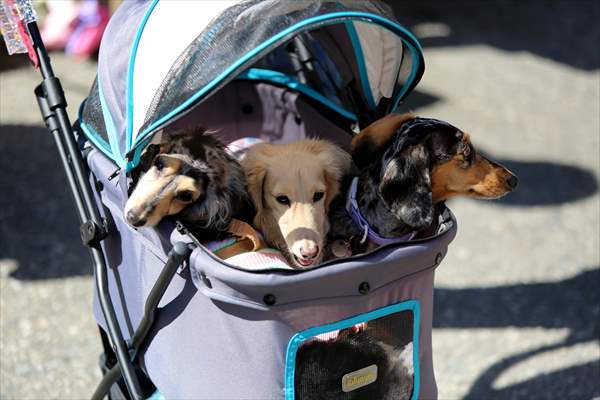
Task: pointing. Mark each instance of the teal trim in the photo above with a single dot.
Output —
(259, 74)
(109, 124)
(94, 137)
(137, 155)
(411, 77)
(156, 396)
(99, 143)
(325, 19)
(130, 68)
(362, 67)
(298, 338)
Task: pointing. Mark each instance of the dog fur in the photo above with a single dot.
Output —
(402, 179)
(292, 186)
(190, 175)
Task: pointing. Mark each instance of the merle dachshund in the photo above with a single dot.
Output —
(406, 165)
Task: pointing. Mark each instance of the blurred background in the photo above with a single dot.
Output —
(517, 300)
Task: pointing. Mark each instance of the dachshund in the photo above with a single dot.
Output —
(407, 165)
(292, 186)
(190, 175)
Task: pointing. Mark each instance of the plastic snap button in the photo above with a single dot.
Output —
(269, 299)
(364, 288)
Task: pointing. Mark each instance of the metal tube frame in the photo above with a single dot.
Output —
(53, 105)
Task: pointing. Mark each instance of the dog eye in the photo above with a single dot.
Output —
(283, 200)
(318, 196)
(185, 196)
(159, 164)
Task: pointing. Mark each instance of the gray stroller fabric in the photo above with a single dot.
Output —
(226, 333)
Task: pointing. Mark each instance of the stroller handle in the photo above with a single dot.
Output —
(53, 104)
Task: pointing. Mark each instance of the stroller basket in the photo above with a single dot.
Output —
(192, 325)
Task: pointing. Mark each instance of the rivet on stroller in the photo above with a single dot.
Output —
(176, 321)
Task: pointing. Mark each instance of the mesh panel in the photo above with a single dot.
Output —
(91, 114)
(374, 359)
(236, 32)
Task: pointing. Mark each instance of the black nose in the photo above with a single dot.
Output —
(512, 182)
(134, 220)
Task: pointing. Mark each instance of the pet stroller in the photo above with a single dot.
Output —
(177, 322)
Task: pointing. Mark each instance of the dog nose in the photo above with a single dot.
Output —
(512, 182)
(134, 220)
(310, 251)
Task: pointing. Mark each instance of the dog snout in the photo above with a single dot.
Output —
(309, 249)
(305, 252)
(512, 182)
(135, 219)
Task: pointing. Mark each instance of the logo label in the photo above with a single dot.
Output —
(357, 379)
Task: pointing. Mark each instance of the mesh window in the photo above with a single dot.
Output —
(92, 113)
(376, 358)
(322, 58)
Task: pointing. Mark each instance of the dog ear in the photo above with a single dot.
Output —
(371, 142)
(255, 167)
(444, 144)
(148, 156)
(337, 163)
(405, 186)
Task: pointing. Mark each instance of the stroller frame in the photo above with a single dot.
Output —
(386, 288)
(121, 357)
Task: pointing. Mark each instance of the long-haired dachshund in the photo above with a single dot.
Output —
(292, 186)
(408, 165)
(190, 174)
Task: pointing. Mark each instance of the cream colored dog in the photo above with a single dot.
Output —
(292, 186)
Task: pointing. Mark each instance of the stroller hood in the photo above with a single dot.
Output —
(160, 59)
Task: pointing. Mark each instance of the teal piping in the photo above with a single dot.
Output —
(93, 136)
(326, 18)
(109, 125)
(259, 74)
(298, 338)
(130, 69)
(362, 68)
(411, 77)
(137, 155)
(156, 396)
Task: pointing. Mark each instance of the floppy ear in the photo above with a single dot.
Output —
(372, 141)
(405, 186)
(255, 167)
(148, 156)
(337, 163)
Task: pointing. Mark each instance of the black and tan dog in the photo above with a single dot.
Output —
(407, 165)
(190, 174)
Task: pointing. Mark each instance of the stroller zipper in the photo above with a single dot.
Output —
(114, 174)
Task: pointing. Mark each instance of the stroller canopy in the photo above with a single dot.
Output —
(160, 59)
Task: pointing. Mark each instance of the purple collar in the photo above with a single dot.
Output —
(359, 219)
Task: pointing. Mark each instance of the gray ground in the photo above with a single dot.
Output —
(517, 300)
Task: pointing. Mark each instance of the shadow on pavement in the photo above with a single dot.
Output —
(545, 183)
(417, 99)
(38, 222)
(572, 303)
(563, 31)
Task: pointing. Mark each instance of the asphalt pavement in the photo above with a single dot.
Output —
(517, 301)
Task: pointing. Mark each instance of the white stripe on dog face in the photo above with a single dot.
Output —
(161, 191)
